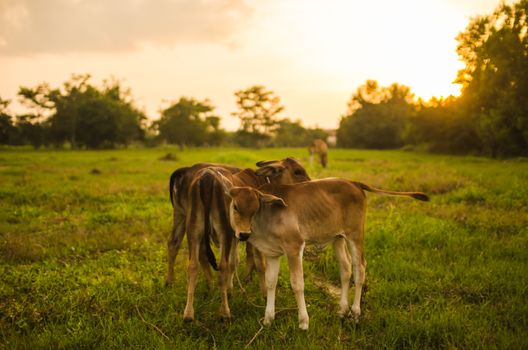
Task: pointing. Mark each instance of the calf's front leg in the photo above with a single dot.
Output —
(272, 274)
(297, 283)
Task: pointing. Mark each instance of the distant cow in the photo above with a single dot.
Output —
(320, 148)
(283, 219)
(207, 219)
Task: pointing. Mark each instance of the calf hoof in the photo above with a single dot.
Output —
(344, 314)
(303, 325)
(225, 315)
(355, 315)
(188, 315)
(267, 321)
(226, 318)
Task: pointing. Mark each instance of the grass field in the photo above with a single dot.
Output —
(82, 256)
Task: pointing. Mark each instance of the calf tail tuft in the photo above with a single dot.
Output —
(207, 182)
(420, 196)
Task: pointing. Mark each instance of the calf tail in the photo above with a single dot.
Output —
(416, 195)
(175, 182)
(207, 183)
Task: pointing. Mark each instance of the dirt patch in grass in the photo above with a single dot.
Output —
(168, 157)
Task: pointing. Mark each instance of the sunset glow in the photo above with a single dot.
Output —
(313, 54)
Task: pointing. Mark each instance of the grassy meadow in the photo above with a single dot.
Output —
(83, 245)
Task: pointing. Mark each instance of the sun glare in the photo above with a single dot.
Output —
(408, 42)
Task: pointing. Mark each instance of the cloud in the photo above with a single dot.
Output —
(59, 26)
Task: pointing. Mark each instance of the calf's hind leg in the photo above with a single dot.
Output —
(204, 262)
(173, 245)
(225, 274)
(359, 265)
(192, 275)
(195, 233)
(345, 272)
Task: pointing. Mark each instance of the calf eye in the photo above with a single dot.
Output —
(298, 172)
(235, 207)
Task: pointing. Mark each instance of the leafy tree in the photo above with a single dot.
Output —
(440, 126)
(84, 115)
(30, 131)
(495, 78)
(257, 110)
(24, 129)
(215, 134)
(290, 134)
(7, 129)
(377, 117)
(293, 134)
(190, 122)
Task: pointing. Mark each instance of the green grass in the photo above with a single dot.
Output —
(82, 256)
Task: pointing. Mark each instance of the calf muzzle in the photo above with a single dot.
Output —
(244, 236)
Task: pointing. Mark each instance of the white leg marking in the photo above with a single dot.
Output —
(359, 275)
(272, 274)
(345, 273)
(297, 283)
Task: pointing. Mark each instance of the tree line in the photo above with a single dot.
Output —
(82, 115)
(490, 117)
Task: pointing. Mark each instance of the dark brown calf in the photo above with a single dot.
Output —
(179, 183)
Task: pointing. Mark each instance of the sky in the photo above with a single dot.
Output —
(313, 54)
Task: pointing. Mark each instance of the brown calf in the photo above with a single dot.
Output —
(207, 218)
(281, 220)
(180, 181)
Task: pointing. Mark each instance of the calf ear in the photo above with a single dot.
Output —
(270, 170)
(265, 162)
(271, 199)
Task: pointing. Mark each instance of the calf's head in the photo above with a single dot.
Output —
(245, 203)
(282, 172)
